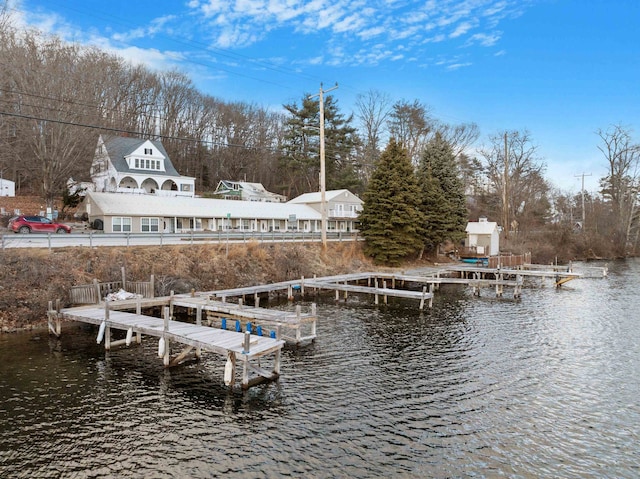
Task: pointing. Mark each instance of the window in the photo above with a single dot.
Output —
(150, 225)
(121, 225)
(137, 162)
(184, 187)
(148, 151)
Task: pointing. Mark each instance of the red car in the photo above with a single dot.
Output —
(36, 224)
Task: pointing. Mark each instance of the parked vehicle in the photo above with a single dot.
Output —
(36, 224)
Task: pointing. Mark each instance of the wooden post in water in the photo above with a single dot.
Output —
(53, 318)
(313, 325)
(167, 346)
(375, 285)
(199, 323)
(124, 278)
(138, 311)
(384, 286)
(107, 331)
(58, 322)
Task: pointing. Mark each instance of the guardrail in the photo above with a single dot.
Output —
(94, 238)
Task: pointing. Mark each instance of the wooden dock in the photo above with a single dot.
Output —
(235, 346)
(245, 333)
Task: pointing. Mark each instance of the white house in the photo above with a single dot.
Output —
(342, 206)
(484, 237)
(150, 213)
(7, 187)
(133, 165)
(242, 190)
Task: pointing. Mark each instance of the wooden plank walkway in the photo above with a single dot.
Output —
(293, 327)
(230, 344)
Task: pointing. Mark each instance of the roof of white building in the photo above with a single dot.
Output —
(119, 147)
(251, 188)
(330, 195)
(112, 204)
(481, 227)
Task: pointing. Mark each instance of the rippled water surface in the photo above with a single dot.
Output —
(548, 386)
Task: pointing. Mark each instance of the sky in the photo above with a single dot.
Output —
(560, 69)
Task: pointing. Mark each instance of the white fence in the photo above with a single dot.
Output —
(93, 238)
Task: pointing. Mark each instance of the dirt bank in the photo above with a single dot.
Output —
(29, 279)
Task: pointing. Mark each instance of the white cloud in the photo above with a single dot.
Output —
(350, 31)
(456, 66)
(461, 29)
(485, 39)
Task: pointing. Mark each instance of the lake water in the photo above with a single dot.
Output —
(544, 387)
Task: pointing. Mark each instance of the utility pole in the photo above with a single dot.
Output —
(323, 193)
(582, 190)
(505, 178)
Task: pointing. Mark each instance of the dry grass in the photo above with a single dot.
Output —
(29, 279)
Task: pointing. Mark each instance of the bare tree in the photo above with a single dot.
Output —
(518, 179)
(460, 136)
(622, 183)
(49, 100)
(372, 110)
(411, 125)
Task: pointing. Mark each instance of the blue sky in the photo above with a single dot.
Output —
(562, 69)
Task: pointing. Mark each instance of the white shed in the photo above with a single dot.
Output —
(484, 236)
(7, 187)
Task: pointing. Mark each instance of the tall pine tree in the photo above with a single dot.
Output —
(391, 220)
(443, 200)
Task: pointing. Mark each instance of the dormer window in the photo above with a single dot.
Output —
(145, 164)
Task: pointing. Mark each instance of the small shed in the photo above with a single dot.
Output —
(484, 236)
(7, 187)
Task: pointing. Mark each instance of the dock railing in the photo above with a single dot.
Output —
(95, 292)
(509, 260)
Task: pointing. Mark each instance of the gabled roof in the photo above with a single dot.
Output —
(225, 186)
(121, 204)
(118, 147)
(330, 195)
(481, 227)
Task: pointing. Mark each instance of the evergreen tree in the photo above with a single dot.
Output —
(299, 163)
(391, 220)
(443, 199)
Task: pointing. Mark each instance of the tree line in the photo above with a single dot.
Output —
(56, 98)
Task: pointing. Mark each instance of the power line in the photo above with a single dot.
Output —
(137, 133)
